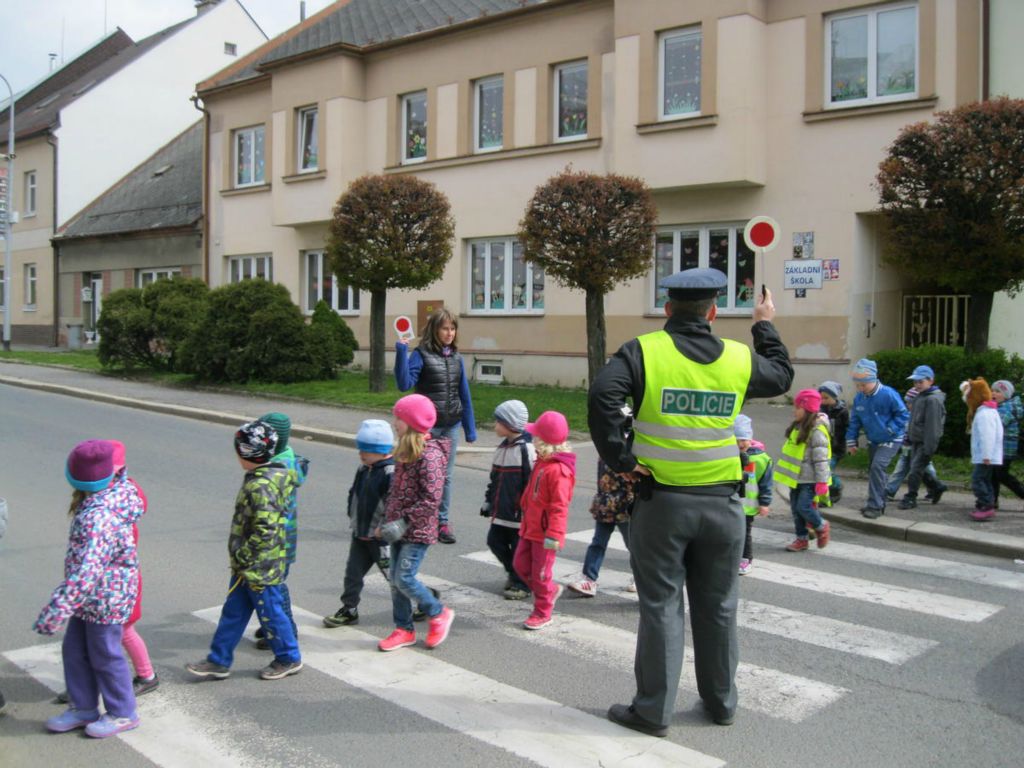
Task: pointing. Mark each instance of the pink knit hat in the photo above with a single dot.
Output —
(417, 411)
(808, 399)
(551, 427)
(119, 454)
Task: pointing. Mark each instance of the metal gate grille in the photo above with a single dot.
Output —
(934, 320)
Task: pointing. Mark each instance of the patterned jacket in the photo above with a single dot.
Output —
(416, 490)
(258, 544)
(101, 567)
(300, 465)
(615, 497)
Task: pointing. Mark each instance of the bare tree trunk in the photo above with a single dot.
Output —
(378, 299)
(596, 335)
(979, 313)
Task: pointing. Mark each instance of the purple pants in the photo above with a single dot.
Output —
(94, 664)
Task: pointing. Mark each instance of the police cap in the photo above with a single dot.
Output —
(695, 284)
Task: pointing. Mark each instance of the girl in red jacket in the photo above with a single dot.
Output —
(545, 505)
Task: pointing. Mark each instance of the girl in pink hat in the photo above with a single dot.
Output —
(545, 505)
(410, 521)
(803, 467)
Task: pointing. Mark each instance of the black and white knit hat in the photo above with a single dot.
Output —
(256, 441)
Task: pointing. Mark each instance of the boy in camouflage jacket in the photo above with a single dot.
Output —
(257, 551)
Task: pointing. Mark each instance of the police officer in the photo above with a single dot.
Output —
(686, 386)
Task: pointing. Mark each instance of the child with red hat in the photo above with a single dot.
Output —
(803, 467)
(545, 505)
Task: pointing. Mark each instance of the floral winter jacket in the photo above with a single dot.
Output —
(101, 568)
(416, 490)
(546, 500)
(258, 543)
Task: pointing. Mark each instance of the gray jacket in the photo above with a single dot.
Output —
(927, 420)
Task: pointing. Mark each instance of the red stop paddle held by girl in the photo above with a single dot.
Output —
(403, 327)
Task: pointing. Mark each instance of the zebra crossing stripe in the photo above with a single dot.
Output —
(822, 631)
(531, 726)
(905, 561)
(770, 692)
(170, 735)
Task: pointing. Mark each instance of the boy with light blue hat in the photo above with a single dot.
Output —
(924, 430)
(879, 412)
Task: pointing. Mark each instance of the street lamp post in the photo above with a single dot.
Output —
(7, 221)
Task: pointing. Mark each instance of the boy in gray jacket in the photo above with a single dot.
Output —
(927, 421)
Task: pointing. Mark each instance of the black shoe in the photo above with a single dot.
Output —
(935, 495)
(720, 718)
(835, 494)
(890, 496)
(871, 513)
(908, 503)
(445, 535)
(625, 715)
(260, 634)
(343, 617)
(420, 615)
(141, 686)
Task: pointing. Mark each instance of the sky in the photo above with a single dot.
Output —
(31, 29)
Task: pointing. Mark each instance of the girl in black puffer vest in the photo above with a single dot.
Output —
(436, 370)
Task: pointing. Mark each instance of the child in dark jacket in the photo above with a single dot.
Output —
(510, 471)
(545, 504)
(410, 521)
(758, 475)
(366, 501)
(833, 406)
(257, 553)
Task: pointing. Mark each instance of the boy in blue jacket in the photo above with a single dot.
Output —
(879, 412)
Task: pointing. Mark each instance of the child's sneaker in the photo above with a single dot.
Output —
(516, 593)
(70, 719)
(631, 585)
(981, 515)
(437, 631)
(445, 534)
(536, 622)
(745, 566)
(111, 726)
(343, 617)
(400, 638)
(207, 668)
(584, 586)
(145, 685)
(276, 670)
(797, 545)
(824, 534)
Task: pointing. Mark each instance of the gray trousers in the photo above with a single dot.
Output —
(678, 539)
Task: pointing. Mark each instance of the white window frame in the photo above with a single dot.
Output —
(155, 274)
(872, 55)
(304, 114)
(507, 286)
(246, 268)
(31, 279)
(317, 260)
(693, 31)
(556, 88)
(406, 99)
(30, 194)
(703, 261)
(236, 137)
(478, 87)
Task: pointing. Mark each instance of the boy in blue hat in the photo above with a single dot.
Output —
(924, 430)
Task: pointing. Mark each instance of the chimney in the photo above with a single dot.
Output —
(53, 61)
(302, 10)
(202, 6)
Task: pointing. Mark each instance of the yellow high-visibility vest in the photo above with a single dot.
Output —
(787, 468)
(683, 432)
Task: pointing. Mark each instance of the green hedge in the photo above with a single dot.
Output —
(951, 366)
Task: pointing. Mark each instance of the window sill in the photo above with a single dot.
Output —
(502, 313)
(29, 308)
(836, 113)
(340, 312)
(678, 124)
(31, 215)
(252, 189)
(304, 176)
(722, 313)
(504, 154)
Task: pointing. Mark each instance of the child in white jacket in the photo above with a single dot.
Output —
(986, 446)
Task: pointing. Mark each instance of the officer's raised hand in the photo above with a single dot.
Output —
(765, 308)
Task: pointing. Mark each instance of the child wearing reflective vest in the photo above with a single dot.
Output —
(757, 482)
(804, 468)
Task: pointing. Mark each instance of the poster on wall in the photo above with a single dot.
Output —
(830, 269)
(801, 293)
(803, 245)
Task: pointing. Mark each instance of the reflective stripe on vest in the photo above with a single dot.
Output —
(684, 429)
(787, 468)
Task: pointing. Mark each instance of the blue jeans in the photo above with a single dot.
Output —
(801, 504)
(406, 558)
(599, 545)
(981, 484)
(452, 433)
(880, 456)
(234, 616)
(899, 474)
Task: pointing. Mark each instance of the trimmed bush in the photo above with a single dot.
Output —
(331, 331)
(176, 307)
(126, 331)
(951, 365)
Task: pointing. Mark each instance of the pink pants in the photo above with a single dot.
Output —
(137, 652)
(534, 564)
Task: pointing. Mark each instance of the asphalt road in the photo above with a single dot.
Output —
(870, 653)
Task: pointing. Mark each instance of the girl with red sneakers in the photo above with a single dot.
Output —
(410, 521)
(545, 505)
(804, 468)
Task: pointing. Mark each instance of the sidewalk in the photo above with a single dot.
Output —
(945, 524)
